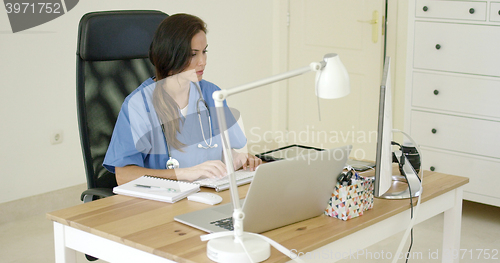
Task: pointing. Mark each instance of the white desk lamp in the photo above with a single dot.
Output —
(332, 81)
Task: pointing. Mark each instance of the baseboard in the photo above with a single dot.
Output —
(41, 204)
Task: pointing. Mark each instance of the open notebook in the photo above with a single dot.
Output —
(241, 176)
(156, 188)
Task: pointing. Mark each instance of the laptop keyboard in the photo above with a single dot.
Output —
(226, 223)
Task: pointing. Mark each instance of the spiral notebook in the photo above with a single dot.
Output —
(156, 188)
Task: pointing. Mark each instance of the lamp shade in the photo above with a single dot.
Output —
(332, 81)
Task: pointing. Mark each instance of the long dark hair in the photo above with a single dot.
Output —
(170, 53)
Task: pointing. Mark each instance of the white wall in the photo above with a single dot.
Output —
(37, 82)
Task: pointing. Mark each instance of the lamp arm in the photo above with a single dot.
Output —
(223, 94)
(220, 95)
(226, 146)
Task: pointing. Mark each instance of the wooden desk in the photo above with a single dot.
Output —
(126, 229)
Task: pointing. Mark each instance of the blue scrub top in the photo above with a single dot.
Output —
(138, 138)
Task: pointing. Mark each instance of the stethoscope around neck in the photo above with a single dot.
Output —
(172, 163)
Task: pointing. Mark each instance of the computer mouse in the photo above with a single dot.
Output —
(206, 198)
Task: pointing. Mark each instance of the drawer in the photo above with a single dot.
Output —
(495, 12)
(457, 48)
(454, 133)
(457, 93)
(482, 173)
(460, 10)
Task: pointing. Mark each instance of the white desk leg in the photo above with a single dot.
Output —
(452, 229)
(63, 254)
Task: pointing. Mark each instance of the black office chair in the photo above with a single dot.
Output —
(112, 61)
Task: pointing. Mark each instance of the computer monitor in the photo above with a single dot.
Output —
(384, 182)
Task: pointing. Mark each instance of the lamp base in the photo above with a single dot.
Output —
(226, 249)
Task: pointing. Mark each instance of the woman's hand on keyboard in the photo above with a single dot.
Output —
(245, 160)
(209, 169)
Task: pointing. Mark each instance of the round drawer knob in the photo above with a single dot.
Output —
(499, 12)
(434, 131)
(433, 168)
(436, 92)
(425, 8)
(438, 46)
(471, 11)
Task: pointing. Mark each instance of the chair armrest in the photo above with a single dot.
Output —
(88, 195)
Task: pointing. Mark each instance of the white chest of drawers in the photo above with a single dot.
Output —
(452, 106)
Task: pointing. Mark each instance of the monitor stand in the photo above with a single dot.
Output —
(401, 186)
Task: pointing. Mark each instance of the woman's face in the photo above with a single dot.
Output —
(198, 54)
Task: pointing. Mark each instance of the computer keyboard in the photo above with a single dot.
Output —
(242, 177)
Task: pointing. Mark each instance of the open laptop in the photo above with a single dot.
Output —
(282, 193)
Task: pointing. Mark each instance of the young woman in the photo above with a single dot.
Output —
(168, 126)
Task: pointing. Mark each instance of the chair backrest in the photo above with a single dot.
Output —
(112, 61)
